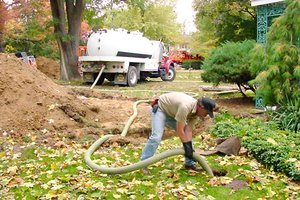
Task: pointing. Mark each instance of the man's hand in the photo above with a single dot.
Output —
(188, 149)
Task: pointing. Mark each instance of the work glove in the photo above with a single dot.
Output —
(188, 149)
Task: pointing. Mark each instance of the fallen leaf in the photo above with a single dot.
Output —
(12, 170)
(117, 196)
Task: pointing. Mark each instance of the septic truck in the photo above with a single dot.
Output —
(124, 58)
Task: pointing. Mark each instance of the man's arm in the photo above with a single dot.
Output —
(180, 127)
(185, 134)
(189, 132)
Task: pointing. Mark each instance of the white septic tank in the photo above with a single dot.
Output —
(122, 43)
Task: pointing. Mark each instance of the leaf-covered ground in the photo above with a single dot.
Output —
(46, 129)
(33, 171)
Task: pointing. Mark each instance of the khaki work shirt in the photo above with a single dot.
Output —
(179, 106)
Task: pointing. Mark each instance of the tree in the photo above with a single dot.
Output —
(230, 63)
(28, 28)
(229, 20)
(98, 10)
(67, 18)
(2, 22)
(278, 69)
(160, 24)
(155, 19)
(204, 40)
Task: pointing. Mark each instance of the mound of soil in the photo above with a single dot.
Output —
(31, 101)
(49, 67)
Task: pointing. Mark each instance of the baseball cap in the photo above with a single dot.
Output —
(208, 104)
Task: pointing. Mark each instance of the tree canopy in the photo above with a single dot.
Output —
(28, 28)
(156, 19)
(219, 21)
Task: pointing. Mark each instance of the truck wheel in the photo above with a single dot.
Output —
(169, 76)
(132, 76)
(101, 79)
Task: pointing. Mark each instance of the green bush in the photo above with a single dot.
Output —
(287, 117)
(194, 64)
(274, 148)
(230, 63)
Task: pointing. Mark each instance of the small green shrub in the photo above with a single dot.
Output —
(230, 63)
(194, 64)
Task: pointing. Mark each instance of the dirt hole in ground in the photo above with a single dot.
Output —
(219, 172)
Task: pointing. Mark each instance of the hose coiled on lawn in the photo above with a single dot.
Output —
(140, 164)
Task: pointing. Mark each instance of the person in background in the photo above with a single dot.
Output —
(180, 111)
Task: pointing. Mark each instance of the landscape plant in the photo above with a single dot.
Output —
(287, 116)
(230, 63)
(276, 149)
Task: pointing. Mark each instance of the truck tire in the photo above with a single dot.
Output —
(101, 79)
(132, 76)
(170, 76)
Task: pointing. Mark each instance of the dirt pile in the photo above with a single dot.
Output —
(31, 101)
(49, 67)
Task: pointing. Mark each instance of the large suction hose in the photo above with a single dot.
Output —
(140, 164)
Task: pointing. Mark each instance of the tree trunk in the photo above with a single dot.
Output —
(69, 11)
(239, 85)
(1, 43)
(2, 21)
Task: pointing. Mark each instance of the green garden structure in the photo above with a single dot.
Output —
(266, 11)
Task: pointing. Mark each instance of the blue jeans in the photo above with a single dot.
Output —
(159, 121)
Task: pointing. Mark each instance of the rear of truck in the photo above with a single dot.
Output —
(125, 58)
